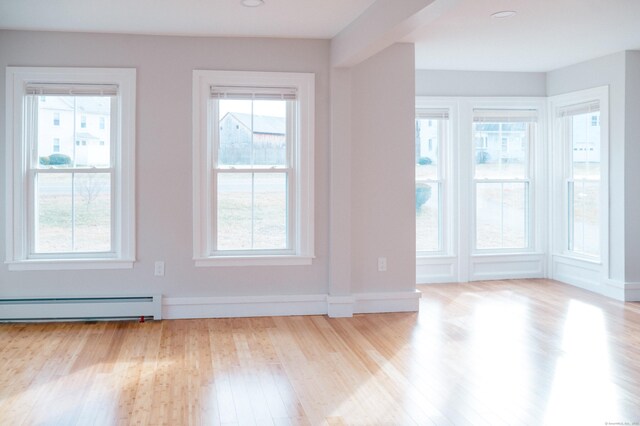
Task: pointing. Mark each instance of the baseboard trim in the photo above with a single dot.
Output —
(340, 306)
(405, 301)
(238, 306)
(624, 291)
(287, 305)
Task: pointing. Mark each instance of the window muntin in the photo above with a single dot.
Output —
(581, 137)
(253, 192)
(71, 201)
(502, 178)
(432, 133)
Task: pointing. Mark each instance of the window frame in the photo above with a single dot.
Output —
(19, 202)
(529, 181)
(562, 156)
(445, 135)
(301, 212)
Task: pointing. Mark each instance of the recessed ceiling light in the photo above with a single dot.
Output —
(503, 14)
(252, 3)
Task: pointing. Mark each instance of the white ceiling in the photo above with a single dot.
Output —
(544, 35)
(276, 18)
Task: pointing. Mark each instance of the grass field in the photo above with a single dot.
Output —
(247, 221)
(73, 220)
(501, 209)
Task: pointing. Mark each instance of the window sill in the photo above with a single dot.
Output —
(254, 261)
(429, 258)
(69, 264)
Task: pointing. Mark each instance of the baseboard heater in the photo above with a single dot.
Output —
(80, 308)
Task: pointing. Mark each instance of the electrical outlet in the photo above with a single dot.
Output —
(382, 264)
(159, 268)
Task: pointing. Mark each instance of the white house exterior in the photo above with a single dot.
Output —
(80, 131)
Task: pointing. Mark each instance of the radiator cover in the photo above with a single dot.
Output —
(80, 308)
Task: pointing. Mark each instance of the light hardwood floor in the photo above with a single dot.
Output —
(489, 353)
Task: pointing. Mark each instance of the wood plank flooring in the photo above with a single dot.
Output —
(514, 352)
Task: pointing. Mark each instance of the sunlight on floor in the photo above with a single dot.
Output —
(583, 391)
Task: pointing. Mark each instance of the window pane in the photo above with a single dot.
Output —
(73, 213)
(252, 211)
(234, 211)
(92, 200)
(270, 214)
(252, 132)
(54, 214)
(428, 216)
(585, 145)
(60, 120)
(584, 230)
(270, 133)
(501, 150)
(428, 135)
(501, 215)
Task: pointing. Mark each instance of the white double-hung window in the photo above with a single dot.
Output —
(253, 168)
(502, 178)
(581, 156)
(432, 138)
(70, 188)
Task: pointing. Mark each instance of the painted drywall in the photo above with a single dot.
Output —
(163, 160)
(340, 192)
(382, 173)
(382, 24)
(479, 83)
(606, 71)
(632, 167)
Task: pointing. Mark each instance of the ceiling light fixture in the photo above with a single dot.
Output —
(503, 14)
(252, 3)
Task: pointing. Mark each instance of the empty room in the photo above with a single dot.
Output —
(286, 212)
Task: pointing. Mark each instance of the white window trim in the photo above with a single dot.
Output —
(535, 177)
(462, 263)
(558, 231)
(447, 176)
(123, 256)
(303, 243)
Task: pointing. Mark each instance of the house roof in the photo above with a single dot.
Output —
(261, 123)
(85, 136)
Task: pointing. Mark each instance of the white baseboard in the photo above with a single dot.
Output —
(286, 305)
(340, 306)
(239, 306)
(623, 291)
(405, 301)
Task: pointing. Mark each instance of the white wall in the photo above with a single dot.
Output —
(632, 168)
(382, 171)
(382, 91)
(479, 83)
(163, 170)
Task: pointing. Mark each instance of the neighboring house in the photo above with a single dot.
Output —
(426, 137)
(500, 142)
(586, 136)
(268, 139)
(80, 131)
